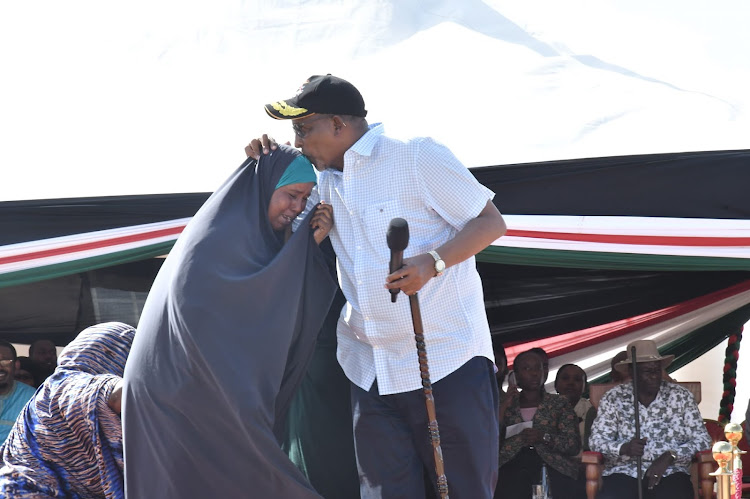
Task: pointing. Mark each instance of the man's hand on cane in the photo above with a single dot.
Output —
(413, 275)
(633, 448)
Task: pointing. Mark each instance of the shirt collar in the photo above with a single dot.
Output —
(363, 147)
(366, 143)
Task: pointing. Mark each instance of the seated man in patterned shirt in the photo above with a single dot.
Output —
(671, 430)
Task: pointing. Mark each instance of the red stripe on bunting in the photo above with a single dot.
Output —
(569, 342)
(634, 239)
(103, 243)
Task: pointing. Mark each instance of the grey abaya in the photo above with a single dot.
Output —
(223, 341)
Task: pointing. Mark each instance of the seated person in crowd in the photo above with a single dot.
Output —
(623, 376)
(570, 382)
(43, 353)
(13, 395)
(67, 442)
(551, 439)
(617, 376)
(671, 430)
(25, 371)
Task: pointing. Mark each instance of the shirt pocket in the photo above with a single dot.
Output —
(377, 218)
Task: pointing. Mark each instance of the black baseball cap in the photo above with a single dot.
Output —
(320, 95)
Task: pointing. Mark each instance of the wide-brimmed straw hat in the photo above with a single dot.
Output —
(645, 351)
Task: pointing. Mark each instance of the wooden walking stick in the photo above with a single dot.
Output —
(639, 459)
(398, 239)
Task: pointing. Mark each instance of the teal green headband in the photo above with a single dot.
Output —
(299, 171)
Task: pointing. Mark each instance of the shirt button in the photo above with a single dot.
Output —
(359, 282)
(359, 248)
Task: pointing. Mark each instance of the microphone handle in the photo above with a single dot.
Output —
(397, 261)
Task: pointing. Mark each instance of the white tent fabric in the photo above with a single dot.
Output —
(638, 235)
(103, 98)
(80, 247)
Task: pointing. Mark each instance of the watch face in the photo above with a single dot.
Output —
(439, 266)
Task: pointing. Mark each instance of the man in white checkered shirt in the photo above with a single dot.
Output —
(370, 178)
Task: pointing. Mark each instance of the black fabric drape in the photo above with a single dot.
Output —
(683, 185)
(22, 221)
(525, 303)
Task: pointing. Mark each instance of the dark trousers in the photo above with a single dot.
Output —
(619, 486)
(393, 445)
(519, 474)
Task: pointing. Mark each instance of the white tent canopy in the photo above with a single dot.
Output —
(102, 98)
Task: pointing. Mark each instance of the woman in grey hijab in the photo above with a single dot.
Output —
(224, 339)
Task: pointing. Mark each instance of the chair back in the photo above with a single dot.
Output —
(715, 430)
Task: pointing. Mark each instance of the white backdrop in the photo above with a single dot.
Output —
(708, 370)
(102, 97)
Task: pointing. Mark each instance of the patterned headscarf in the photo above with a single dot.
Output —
(67, 442)
(101, 349)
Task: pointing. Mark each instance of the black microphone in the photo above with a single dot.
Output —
(398, 239)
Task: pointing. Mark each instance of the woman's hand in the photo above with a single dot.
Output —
(532, 436)
(322, 221)
(115, 398)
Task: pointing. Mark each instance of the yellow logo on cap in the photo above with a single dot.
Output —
(286, 110)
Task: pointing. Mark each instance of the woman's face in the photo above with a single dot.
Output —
(287, 202)
(529, 372)
(570, 383)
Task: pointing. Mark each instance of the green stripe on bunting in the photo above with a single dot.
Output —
(599, 260)
(690, 346)
(74, 267)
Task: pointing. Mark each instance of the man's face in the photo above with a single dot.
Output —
(45, 354)
(7, 369)
(316, 137)
(649, 377)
